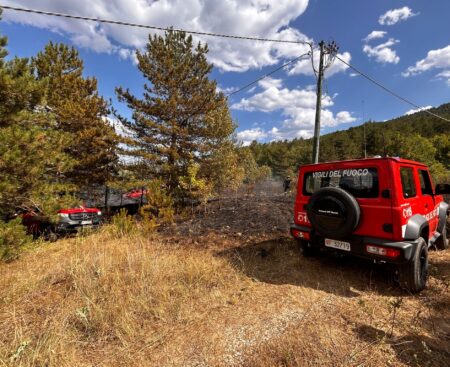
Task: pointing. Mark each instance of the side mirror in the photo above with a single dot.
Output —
(442, 189)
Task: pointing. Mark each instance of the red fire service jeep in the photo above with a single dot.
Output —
(382, 209)
(69, 221)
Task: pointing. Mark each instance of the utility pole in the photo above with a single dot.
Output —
(364, 131)
(327, 54)
(316, 141)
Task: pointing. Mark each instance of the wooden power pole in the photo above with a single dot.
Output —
(316, 142)
(329, 51)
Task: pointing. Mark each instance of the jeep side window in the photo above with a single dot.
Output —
(425, 183)
(408, 184)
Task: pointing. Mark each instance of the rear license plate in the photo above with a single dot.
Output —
(86, 222)
(340, 245)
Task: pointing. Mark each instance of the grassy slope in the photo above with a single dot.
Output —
(138, 302)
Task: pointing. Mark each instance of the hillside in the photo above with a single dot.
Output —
(419, 136)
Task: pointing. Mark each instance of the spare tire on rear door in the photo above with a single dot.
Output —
(333, 212)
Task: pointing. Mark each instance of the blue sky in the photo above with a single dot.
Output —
(408, 50)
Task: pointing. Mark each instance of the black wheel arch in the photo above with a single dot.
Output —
(442, 213)
(416, 227)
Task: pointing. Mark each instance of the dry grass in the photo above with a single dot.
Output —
(102, 301)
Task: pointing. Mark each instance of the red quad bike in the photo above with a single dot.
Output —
(382, 209)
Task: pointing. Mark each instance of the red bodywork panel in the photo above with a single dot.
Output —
(378, 212)
(136, 194)
(78, 210)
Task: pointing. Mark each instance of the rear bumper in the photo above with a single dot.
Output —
(358, 246)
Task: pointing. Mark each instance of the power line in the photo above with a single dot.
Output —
(267, 75)
(99, 20)
(389, 90)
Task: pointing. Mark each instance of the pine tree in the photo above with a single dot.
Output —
(181, 118)
(32, 163)
(80, 112)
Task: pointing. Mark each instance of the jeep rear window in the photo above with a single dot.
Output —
(360, 182)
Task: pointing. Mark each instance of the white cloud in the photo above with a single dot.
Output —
(304, 66)
(435, 59)
(445, 75)
(249, 135)
(410, 112)
(274, 98)
(298, 108)
(394, 16)
(126, 53)
(226, 90)
(383, 53)
(270, 82)
(259, 18)
(374, 35)
(119, 128)
(344, 116)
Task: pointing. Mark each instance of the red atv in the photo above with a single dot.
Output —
(382, 209)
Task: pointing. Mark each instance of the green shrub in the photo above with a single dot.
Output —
(123, 224)
(159, 209)
(13, 237)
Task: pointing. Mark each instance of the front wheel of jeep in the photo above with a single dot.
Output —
(413, 275)
(442, 243)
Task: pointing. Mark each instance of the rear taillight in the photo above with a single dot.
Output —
(382, 251)
(300, 234)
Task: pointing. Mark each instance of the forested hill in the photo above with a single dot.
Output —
(419, 136)
(422, 122)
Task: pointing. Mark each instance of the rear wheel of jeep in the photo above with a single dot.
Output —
(413, 275)
(442, 242)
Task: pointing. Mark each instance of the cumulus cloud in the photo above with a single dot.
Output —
(394, 16)
(259, 18)
(249, 135)
(344, 116)
(226, 90)
(410, 112)
(297, 106)
(126, 53)
(270, 82)
(383, 53)
(374, 35)
(445, 75)
(435, 59)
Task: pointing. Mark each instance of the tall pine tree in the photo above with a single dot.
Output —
(32, 163)
(181, 118)
(80, 112)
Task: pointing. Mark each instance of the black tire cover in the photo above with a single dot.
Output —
(333, 212)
